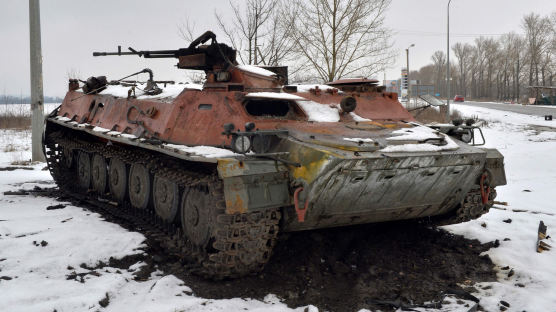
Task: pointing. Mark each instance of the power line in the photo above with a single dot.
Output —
(432, 33)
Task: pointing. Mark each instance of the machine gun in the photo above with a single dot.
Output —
(196, 56)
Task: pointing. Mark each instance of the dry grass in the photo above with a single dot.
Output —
(15, 117)
(8, 121)
(27, 162)
(9, 148)
(430, 114)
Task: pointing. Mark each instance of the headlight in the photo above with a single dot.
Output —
(241, 144)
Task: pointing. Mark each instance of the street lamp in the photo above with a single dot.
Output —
(408, 81)
(448, 64)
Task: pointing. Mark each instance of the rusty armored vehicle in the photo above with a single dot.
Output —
(234, 161)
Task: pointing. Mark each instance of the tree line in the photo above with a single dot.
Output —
(499, 68)
(10, 99)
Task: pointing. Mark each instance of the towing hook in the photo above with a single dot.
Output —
(485, 190)
(300, 212)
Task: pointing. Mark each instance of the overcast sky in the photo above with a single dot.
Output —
(72, 30)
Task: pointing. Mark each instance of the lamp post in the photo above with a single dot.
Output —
(408, 80)
(448, 65)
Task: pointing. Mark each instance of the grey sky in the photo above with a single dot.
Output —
(72, 30)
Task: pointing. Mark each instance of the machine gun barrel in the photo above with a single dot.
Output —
(145, 54)
(195, 56)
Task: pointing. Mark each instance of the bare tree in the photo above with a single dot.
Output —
(463, 54)
(340, 38)
(425, 74)
(439, 62)
(499, 68)
(187, 30)
(249, 27)
(537, 37)
(278, 46)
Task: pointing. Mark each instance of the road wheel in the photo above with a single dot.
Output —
(166, 198)
(99, 173)
(84, 170)
(117, 179)
(197, 212)
(139, 186)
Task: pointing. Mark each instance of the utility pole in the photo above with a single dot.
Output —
(37, 98)
(448, 65)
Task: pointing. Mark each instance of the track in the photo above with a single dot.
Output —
(221, 246)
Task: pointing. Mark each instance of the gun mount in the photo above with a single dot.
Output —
(210, 57)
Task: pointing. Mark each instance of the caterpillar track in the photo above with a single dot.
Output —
(235, 245)
(471, 208)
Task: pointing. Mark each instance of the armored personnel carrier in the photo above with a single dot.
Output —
(232, 162)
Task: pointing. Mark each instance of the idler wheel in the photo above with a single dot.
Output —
(139, 186)
(117, 179)
(196, 207)
(98, 175)
(166, 198)
(84, 170)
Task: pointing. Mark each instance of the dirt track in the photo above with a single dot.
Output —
(377, 266)
(361, 267)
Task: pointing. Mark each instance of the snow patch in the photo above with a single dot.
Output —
(62, 118)
(101, 130)
(357, 140)
(128, 136)
(205, 151)
(274, 95)
(421, 147)
(256, 70)
(358, 118)
(170, 91)
(308, 87)
(320, 112)
(416, 133)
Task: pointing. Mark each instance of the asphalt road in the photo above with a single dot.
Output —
(516, 108)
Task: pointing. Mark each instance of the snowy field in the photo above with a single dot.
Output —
(528, 144)
(41, 249)
(24, 109)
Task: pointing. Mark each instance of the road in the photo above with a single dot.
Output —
(516, 108)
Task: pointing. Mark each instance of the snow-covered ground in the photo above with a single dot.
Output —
(40, 248)
(528, 144)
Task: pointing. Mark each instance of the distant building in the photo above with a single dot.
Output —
(417, 88)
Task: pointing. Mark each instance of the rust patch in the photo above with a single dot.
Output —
(236, 205)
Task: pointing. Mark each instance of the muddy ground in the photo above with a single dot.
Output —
(376, 266)
(372, 266)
